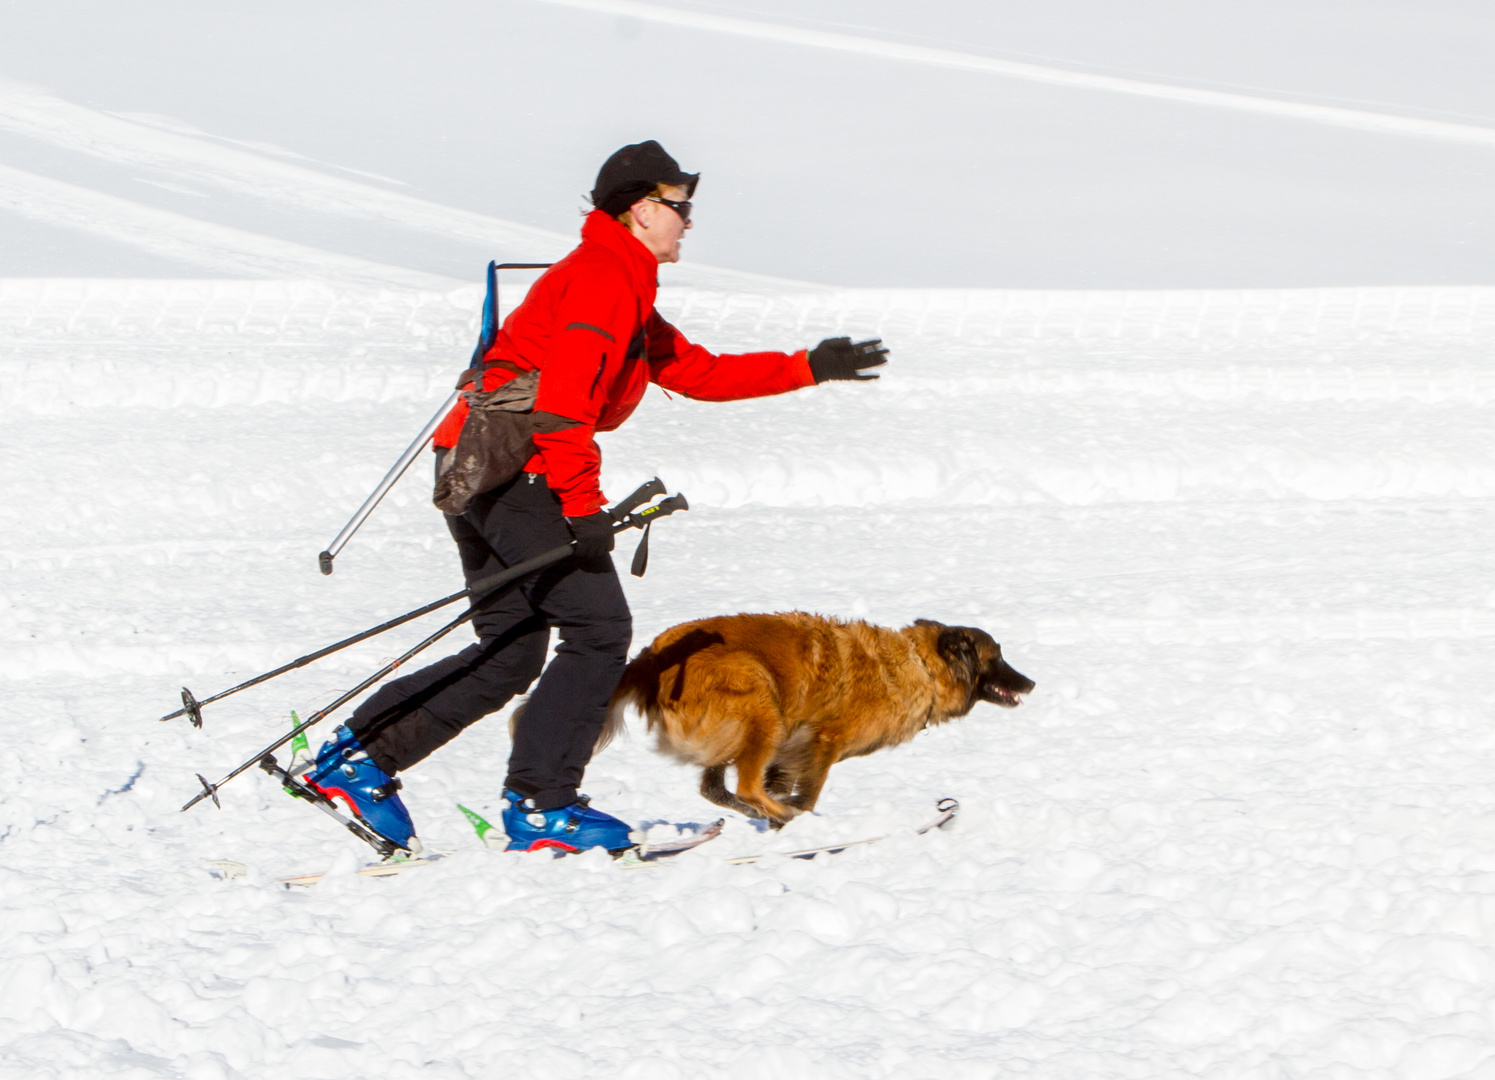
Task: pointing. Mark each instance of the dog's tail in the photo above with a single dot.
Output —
(612, 727)
(637, 689)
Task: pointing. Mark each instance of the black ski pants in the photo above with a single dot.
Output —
(410, 717)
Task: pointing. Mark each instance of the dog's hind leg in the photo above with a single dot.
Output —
(714, 789)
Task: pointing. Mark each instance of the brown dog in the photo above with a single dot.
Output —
(784, 697)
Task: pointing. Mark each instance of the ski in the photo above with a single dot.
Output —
(945, 811)
(395, 858)
(383, 869)
(301, 756)
(298, 788)
(647, 854)
(639, 855)
(634, 857)
(232, 870)
(628, 858)
(491, 836)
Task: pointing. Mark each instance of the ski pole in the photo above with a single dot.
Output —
(487, 334)
(324, 559)
(480, 590)
(210, 791)
(192, 707)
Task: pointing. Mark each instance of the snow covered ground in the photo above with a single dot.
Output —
(1242, 828)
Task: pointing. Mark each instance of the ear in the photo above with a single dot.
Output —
(643, 212)
(958, 651)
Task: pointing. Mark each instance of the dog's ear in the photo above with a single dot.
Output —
(958, 650)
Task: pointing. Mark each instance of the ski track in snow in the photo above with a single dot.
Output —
(189, 156)
(883, 49)
(177, 236)
(181, 155)
(1241, 829)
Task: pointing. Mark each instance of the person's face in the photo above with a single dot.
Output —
(659, 226)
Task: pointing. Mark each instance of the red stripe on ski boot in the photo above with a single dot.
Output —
(547, 843)
(330, 793)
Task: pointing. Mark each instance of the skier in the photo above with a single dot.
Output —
(589, 327)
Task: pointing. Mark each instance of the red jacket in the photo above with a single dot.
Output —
(590, 328)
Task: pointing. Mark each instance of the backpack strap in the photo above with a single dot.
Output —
(474, 375)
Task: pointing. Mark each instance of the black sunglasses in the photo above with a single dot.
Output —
(681, 208)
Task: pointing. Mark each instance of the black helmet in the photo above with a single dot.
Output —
(632, 173)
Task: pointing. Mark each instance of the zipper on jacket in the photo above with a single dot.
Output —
(598, 377)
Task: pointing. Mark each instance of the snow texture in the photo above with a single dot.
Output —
(1244, 829)
(1241, 829)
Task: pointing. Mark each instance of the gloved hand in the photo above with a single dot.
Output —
(594, 534)
(838, 358)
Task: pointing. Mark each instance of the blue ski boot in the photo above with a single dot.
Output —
(344, 771)
(570, 828)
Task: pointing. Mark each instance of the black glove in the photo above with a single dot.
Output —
(838, 358)
(594, 534)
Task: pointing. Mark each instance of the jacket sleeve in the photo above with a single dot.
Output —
(592, 320)
(676, 364)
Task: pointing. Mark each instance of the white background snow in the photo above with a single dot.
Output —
(1188, 407)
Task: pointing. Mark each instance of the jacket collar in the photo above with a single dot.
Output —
(643, 268)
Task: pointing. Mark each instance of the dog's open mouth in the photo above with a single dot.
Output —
(1007, 699)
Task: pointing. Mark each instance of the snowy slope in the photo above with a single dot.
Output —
(957, 143)
(1242, 828)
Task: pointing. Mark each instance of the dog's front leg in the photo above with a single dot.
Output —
(751, 763)
(812, 776)
(778, 781)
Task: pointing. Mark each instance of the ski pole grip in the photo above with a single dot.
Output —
(641, 495)
(664, 508)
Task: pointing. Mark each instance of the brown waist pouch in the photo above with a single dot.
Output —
(497, 439)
